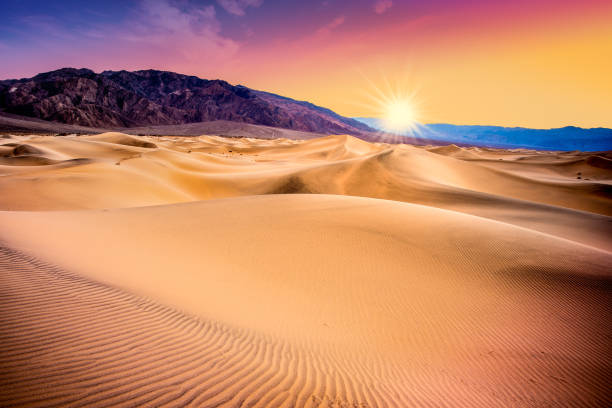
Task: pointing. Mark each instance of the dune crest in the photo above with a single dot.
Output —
(564, 194)
(330, 272)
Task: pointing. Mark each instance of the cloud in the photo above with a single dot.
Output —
(238, 7)
(179, 35)
(328, 28)
(183, 31)
(382, 5)
(46, 25)
(163, 17)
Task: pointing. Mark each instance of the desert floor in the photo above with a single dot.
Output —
(332, 272)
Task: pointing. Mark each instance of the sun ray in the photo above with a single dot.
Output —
(394, 103)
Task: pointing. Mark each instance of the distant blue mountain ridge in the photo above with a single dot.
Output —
(565, 138)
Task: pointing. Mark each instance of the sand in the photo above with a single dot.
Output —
(332, 272)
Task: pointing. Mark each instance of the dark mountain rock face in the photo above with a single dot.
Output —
(128, 99)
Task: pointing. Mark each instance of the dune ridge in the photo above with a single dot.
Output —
(562, 193)
(221, 272)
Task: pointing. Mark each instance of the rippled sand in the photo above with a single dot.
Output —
(334, 272)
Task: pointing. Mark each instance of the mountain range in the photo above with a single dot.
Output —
(123, 99)
(565, 138)
(71, 100)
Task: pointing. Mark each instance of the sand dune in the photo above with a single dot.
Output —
(537, 190)
(195, 271)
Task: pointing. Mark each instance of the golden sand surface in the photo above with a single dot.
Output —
(331, 272)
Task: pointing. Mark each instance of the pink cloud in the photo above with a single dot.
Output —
(382, 5)
(161, 34)
(188, 35)
(328, 28)
(238, 7)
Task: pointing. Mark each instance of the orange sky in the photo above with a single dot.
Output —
(533, 63)
(519, 72)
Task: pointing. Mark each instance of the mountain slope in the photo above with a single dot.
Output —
(565, 138)
(141, 98)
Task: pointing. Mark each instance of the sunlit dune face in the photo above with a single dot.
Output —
(399, 116)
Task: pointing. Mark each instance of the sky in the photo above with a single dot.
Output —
(536, 63)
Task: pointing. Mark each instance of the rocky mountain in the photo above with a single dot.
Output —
(148, 98)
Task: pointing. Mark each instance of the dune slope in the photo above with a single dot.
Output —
(331, 272)
(564, 194)
(299, 300)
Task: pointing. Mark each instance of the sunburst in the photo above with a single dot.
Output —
(398, 116)
(395, 105)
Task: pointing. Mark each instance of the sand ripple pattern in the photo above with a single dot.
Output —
(70, 342)
(67, 341)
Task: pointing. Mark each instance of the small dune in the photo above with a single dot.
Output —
(20, 150)
(122, 139)
(600, 162)
(291, 185)
(26, 160)
(446, 150)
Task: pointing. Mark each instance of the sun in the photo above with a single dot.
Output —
(393, 106)
(399, 115)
